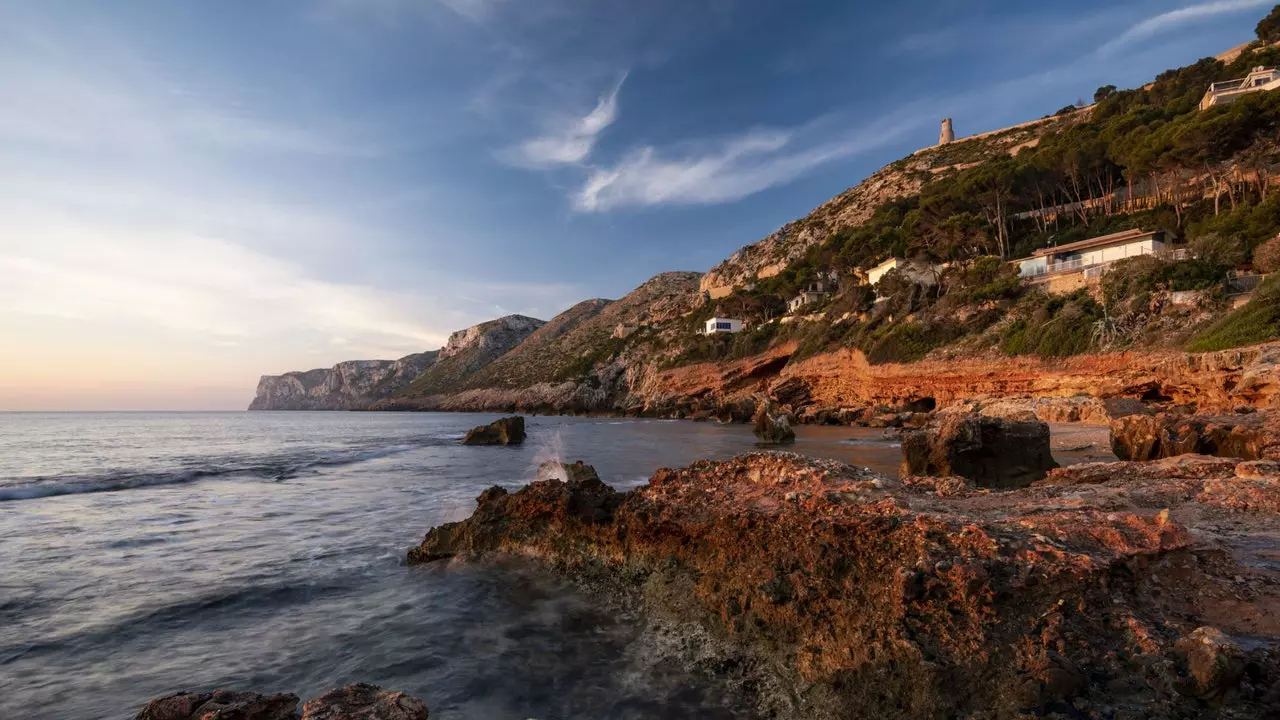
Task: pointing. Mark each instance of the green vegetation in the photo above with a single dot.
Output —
(1258, 321)
(1054, 326)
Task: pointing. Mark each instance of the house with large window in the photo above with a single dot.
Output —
(1090, 257)
(722, 326)
(1261, 79)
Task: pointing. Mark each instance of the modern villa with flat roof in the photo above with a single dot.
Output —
(1090, 256)
(1261, 79)
(722, 325)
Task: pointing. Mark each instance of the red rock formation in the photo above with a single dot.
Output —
(992, 452)
(856, 595)
(1217, 381)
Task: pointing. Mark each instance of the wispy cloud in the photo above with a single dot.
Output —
(393, 11)
(1164, 22)
(573, 138)
(730, 169)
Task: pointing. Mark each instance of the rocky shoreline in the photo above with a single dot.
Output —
(1105, 590)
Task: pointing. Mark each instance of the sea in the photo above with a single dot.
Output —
(142, 554)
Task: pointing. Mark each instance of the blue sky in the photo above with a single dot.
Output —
(195, 194)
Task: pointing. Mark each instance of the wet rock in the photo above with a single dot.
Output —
(221, 705)
(507, 431)
(566, 472)
(772, 426)
(360, 701)
(992, 452)
(858, 591)
(364, 702)
(1252, 436)
(1214, 661)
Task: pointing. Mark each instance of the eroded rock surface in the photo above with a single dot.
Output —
(772, 426)
(360, 701)
(507, 431)
(846, 594)
(1249, 436)
(993, 452)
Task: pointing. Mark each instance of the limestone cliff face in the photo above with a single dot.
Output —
(346, 386)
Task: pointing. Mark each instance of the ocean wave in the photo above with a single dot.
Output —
(278, 469)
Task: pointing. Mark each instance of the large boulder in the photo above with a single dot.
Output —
(772, 425)
(1248, 436)
(992, 452)
(360, 701)
(831, 592)
(507, 431)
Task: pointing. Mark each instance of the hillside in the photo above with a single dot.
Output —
(956, 219)
(857, 205)
(470, 351)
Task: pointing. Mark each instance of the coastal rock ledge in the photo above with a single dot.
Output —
(360, 701)
(1121, 590)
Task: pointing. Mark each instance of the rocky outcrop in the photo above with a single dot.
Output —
(1251, 436)
(507, 431)
(992, 452)
(469, 352)
(833, 592)
(349, 385)
(772, 426)
(1076, 389)
(353, 702)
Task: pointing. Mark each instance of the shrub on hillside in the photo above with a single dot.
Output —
(1057, 326)
(1269, 27)
(905, 342)
(1266, 257)
(1256, 322)
(1214, 248)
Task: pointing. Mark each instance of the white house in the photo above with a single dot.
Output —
(1261, 79)
(1091, 254)
(723, 326)
(816, 292)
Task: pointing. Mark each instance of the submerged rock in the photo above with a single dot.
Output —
(507, 431)
(772, 426)
(993, 452)
(360, 701)
(1247, 436)
(840, 593)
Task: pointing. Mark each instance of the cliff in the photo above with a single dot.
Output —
(574, 362)
(346, 386)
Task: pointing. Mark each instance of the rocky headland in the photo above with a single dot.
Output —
(352, 385)
(359, 701)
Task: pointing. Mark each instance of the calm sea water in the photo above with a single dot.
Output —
(145, 554)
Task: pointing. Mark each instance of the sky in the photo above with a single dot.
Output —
(194, 194)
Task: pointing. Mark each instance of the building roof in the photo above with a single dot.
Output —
(1127, 236)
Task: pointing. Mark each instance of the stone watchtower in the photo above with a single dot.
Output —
(948, 133)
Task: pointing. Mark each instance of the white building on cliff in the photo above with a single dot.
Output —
(1261, 79)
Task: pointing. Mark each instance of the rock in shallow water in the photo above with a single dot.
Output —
(507, 431)
(772, 426)
(360, 701)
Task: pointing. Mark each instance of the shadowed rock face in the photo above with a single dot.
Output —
(991, 451)
(843, 594)
(507, 431)
(353, 702)
(1253, 436)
